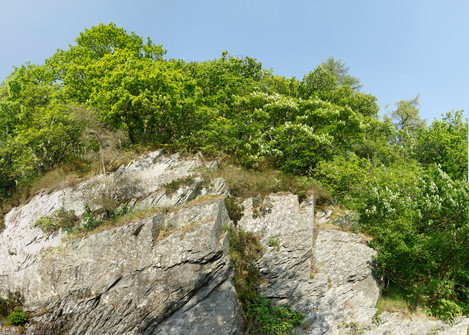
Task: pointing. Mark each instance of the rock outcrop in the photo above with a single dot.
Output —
(330, 283)
(163, 274)
(169, 271)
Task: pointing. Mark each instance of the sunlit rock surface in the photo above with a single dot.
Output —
(169, 272)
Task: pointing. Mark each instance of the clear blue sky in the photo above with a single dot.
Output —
(398, 48)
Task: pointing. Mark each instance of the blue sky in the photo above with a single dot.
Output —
(398, 48)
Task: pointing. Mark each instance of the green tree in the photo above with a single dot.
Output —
(220, 80)
(317, 82)
(74, 68)
(420, 220)
(139, 95)
(340, 72)
(407, 115)
(444, 143)
(271, 83)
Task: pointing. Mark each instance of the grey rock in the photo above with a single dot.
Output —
(322, 217)
(217, 313)
(170, 273)
(396, 323)
(286, 234)
(10, 330)
(332, 285)
(128, 280)
(140, 278)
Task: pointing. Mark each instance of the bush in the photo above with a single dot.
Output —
(59, 219)
(89, 221)
(420, 222)
(234, 208)
(272, 319)
(345, 176)
(18, 317)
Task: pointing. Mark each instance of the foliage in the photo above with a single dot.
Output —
(340, 72)
(121, 211)
(345, 175)
(444, 143)
(18, 317)
(59, 219)
(420, 220)
(89, 221)
(235, 209)
(274, 242)
(272, 319)
(407, 116)
(148, 100)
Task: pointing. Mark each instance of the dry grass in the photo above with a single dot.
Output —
(204, 199)
(183, 230)
(246, 183)
(132, 216)
(68, 175)
(136, 215)
(65, 175)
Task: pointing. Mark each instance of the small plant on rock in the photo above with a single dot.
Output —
(274, 241)
(173, 186)
(353, 327)
(89, 221)
(234, 208)
(273, 319)
(59, 219)
(260, 314)
(18, 317)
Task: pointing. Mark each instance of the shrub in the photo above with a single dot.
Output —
(18, 317)
(89, 221)
(420, 222)
(121, 210)
(59, 219)
(234, 208)
(272, 319)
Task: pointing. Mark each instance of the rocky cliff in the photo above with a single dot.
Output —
(169, 271)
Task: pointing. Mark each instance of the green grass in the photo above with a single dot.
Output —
(393, 300)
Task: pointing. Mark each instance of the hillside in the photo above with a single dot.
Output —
(111, 95)
(172, 264)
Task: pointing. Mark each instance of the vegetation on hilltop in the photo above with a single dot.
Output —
(112, 90)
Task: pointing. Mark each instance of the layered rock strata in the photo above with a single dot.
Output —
(169, 271)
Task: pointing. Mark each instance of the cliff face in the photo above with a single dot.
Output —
(170, 272)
